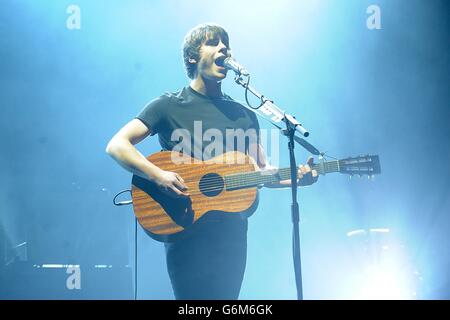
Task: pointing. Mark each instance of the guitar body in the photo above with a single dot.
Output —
(166, 218)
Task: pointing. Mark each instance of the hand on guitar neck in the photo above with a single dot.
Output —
(306, 175)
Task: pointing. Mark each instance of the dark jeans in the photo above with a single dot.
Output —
(210, 263)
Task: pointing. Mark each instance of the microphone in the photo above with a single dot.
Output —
(232, 64)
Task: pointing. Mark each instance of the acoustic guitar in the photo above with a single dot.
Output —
(225, 184)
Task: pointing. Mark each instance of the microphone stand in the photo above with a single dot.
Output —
(296, 255)
(292, 125)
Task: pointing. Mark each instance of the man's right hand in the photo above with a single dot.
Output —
(172, 184)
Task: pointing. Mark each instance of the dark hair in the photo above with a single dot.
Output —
(194, 40)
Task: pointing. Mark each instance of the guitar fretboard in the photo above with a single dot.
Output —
(255, 178)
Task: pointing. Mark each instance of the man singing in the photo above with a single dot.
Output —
(210, 262)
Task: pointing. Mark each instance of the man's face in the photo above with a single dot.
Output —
(210, 65)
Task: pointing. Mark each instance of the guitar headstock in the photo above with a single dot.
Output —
(363, 165)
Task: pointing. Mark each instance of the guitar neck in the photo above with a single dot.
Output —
(255, 178)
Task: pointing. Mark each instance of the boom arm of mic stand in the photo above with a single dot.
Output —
(277, 112)
(308, 146)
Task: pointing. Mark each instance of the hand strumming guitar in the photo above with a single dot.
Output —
(171, 184)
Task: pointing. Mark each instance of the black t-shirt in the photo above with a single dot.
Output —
(184, 110)
(203, 120)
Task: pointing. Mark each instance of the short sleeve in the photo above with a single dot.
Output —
(153, 114)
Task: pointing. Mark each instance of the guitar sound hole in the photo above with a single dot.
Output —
(211, 184)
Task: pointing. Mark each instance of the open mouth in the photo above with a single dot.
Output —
(219, 61)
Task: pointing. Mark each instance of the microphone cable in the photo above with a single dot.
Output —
(135, 259)
(124, 203)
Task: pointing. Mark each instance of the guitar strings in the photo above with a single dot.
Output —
(252, 179)
(238, 184)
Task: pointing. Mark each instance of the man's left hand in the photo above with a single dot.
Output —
(306, 175)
